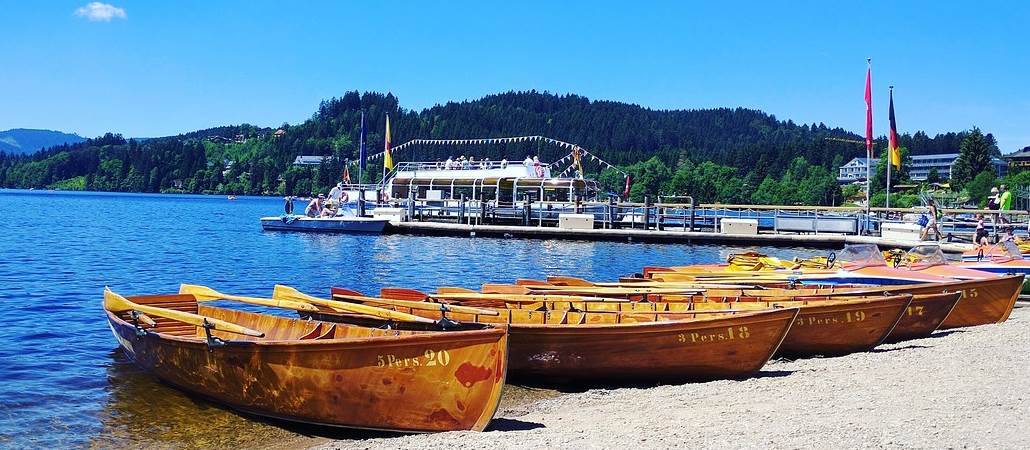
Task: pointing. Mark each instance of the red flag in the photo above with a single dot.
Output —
(625, 192)
(346, 173)
(869, 111)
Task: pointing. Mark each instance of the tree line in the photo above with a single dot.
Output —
(717, 155)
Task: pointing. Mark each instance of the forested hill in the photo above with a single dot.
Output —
(248, 159)
(24, 140)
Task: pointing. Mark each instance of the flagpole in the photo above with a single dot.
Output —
(361, 148)
(890, 151)
(869, 144)
(889, 176)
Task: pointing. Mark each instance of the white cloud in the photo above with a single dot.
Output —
(100, 12)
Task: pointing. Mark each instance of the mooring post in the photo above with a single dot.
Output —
(647, 211)
(526, 210)
(411, 206)
(482, 207)
(460, 209)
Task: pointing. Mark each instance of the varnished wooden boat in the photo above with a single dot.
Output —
(315, 372)
(926, 313)
(828, 325)
(595, 346)
(981, 302)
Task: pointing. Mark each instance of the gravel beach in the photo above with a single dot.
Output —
(959, 388)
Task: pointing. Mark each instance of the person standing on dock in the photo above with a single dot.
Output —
(932, 223)
(336, 192)
(288, 205)
(1005, 204)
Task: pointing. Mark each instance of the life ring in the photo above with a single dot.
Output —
(344, 198)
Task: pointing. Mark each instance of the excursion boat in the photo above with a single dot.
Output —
(604, 345)
(340, 224)
(496, 189)
(921, 318)
(314, 372)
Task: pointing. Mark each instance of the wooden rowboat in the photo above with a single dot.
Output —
(594, 346)
(922, 317)
(315, 372)
(981, 302)
(828, 325)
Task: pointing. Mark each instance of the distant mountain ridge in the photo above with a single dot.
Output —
(26, 141)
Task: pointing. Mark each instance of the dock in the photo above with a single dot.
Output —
(832, 241)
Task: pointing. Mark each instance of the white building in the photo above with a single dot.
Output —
(855, 170)
(306, 160)
(943, 162)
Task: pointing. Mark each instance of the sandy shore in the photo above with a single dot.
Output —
(959, 388)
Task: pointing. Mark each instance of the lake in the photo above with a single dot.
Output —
(63, 383)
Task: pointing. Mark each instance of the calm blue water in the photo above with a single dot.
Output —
(62, 382)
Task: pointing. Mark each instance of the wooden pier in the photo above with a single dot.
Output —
(833, 241)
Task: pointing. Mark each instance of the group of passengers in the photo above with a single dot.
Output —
(322, 205)
(470, 163)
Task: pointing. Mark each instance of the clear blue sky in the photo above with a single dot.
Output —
(170, 67)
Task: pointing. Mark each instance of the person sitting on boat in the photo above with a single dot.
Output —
(504, 163)
(484, 164)
(464, 163)
(314, 208)
(336, 192)
(449, 164)
(331, 208)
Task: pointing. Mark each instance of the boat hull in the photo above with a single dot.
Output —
(665, 348)
(383, 383)
(325, 224)
(709, 349)
(981, 302)
(924, 316)
(834, 328)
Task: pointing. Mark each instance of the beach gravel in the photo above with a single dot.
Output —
(965, 388)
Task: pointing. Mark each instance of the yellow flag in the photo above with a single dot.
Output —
(387, 157)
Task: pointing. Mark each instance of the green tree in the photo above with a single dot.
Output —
(974, 158)
(933, 176)
(648, 177)
(980, 187)
(879, 181)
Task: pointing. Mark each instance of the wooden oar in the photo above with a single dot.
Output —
(204, 293)
(289, 293)
(424, 306)
(116, 303)
(525, 298)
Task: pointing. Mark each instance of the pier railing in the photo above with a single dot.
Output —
(956, 224)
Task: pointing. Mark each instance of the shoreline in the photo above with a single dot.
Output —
(958, 388)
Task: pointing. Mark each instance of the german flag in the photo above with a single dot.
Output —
(387, 157)
(894, 151)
